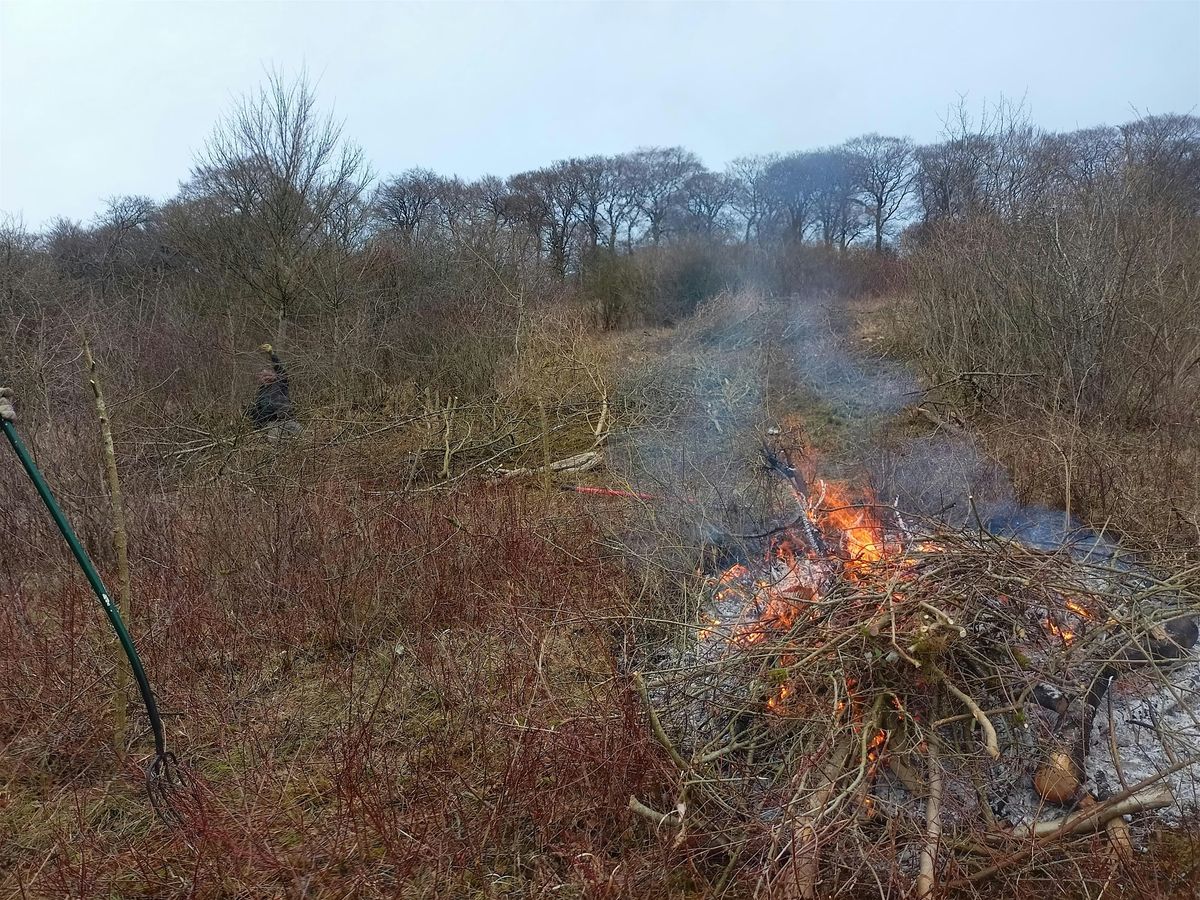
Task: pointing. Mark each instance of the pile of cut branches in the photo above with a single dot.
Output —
(863, 699)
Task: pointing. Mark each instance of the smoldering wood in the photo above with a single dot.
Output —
(993, 625)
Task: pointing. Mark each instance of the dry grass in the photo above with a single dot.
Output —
(373, 693)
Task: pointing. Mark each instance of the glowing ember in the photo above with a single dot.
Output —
(775, 704)
(1078, 608)
(1059, 631)
(710, 623)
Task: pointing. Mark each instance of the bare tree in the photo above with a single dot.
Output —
(790, 187)
(705, 203)
(994, 165)
(129, 235)
(593, 174)
(1083, 161)
(18, 256)
(551, 198)
(883, 169)
(659, 174)
(493, 200)
(457, 206)
(834, 196)
(751, 199)
(1164, 152)
(619, 210)
(1009, 161)
(73, 249)
(401, 205)
(275, 186)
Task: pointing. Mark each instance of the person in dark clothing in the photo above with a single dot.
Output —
(272, 402)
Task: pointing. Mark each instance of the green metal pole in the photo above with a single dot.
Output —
(93, 577)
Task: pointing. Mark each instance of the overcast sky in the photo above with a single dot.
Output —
(105, 98)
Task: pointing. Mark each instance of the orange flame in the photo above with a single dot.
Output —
(858, 526)
(1066, 635)
(775, 704)
(842, 532)
(1078, 608)
(875, 751)
(877, 741)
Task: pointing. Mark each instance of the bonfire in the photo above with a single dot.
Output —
(859, 681)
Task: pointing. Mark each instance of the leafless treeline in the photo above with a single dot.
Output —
(278, 200)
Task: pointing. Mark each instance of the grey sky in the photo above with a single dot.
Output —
(99, 99)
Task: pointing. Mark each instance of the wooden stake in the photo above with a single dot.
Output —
(545, 448)
(121, 545)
